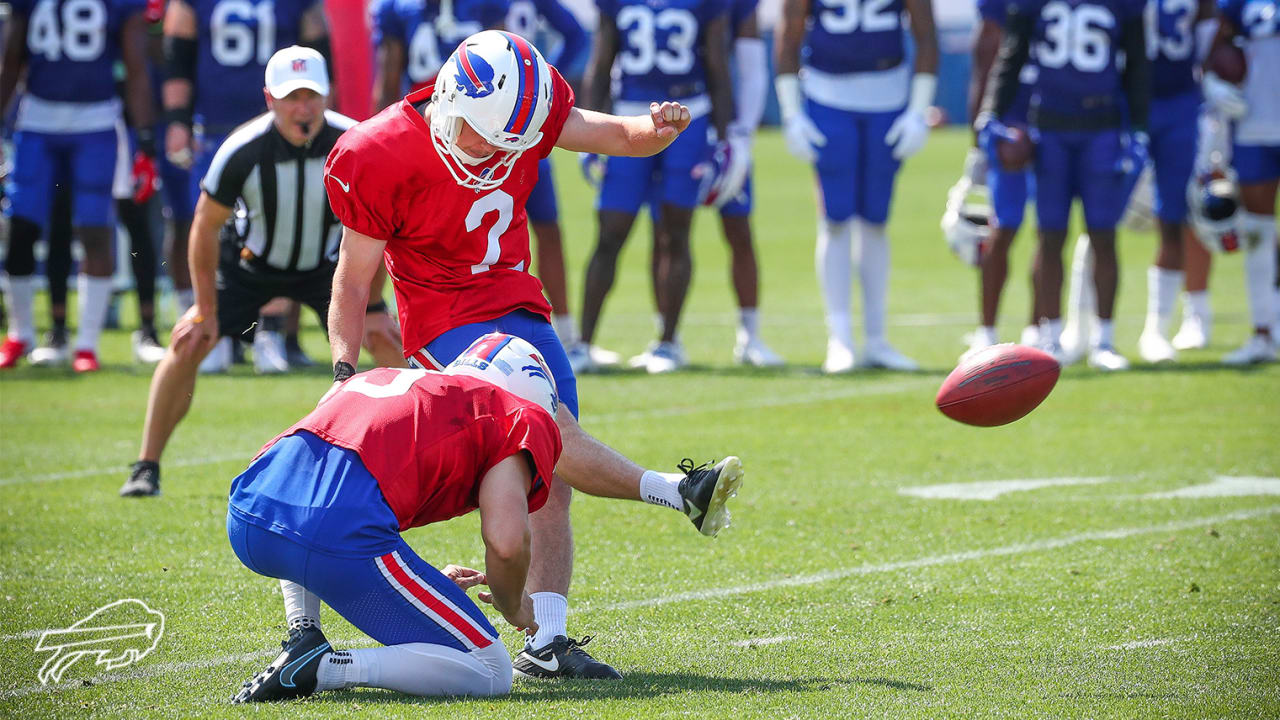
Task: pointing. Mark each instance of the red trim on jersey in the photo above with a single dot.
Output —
(430, 597)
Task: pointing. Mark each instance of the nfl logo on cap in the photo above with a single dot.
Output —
(294, 68)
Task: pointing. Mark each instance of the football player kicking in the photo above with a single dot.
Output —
(859, 114)
(1090, 112)
(438, 183)
(323, 505)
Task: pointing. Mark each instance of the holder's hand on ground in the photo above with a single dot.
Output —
(464, 577)
(383, 340)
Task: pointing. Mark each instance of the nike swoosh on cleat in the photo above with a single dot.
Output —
(288, 672)
(552, 666)
(693, 511)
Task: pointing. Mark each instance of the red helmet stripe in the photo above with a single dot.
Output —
(522, 114)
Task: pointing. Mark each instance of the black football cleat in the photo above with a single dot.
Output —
(144, 480)
(563, 657)
(706, 490)
(293, 673)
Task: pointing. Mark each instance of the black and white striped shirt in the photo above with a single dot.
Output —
(290, 225)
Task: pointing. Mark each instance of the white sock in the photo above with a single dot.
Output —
(834, 259)
(184, 299)
(94, 297)
(301, 607)
(1106, 334)
(987, 334)
(1162, 294)
(661, 489)
(565, 328)
(551, 611)
(419, 669)
(1197, 304)
(22, 316)
(749, 323)
(1051, 330)
(873, 271)
(1260, 266)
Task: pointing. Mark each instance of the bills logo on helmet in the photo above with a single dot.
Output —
(474, 76)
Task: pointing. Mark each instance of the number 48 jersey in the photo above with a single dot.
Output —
(661, 47)
(73, 45)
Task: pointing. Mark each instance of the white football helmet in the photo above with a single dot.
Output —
(499, 84)
(513, 365)
(1213, 201)
(1140, 213)
(966, 223)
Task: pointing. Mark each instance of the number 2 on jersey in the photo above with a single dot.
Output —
(500, 202)
(399, 385)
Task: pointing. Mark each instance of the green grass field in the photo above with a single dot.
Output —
(1134, 582)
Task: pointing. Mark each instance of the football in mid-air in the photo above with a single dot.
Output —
(1014, 154)
(998, 385)
(1228, 63)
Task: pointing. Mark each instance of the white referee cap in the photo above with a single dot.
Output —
(296, 67)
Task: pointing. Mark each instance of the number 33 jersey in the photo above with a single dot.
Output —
(660, 53)
(455, 255)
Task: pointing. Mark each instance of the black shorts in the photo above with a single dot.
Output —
(244, 287)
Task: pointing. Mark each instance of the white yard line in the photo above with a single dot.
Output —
(992, 489)
(866, 389)
(1138, 644)
(757, 642)
(711, 593)
(1225, 486)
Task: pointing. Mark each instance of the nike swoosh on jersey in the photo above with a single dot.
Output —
(552, 666)
(345, 187)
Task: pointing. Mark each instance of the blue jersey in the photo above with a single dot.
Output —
(1076, 45)
(524, 18)
(851, 36)
(413, 24)
(740, 10)
(661, 46)
(997, 11)
(73, 45)
(236, 39)
(1171, 46)
(1256, 19)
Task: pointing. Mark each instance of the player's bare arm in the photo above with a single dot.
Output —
(1015, 48)
(504, 526)
(313, 32)
(390, 64)
(790, 36)
(359, 258)
(137, 81)
(925, 34)
(985, 48)
(641, 136)
(717, 51)
(15, 56)
(198, 327)
(595, 80)
(178, 91)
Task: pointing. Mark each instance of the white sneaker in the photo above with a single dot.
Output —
(146, 350)
(642, 360)
(604, 358)
(1106, 359)
(580, 358)
(839, 358)
(1258, 349)
(882, 355)
(755, 353)
(218, 359)
(1030, 336)
(52, 352)
(269, 354)
(979, 340)
(1193, 335)
(1154, 348)
(666, 357)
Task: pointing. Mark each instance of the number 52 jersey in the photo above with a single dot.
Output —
(455, 255)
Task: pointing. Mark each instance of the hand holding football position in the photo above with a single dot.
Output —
(465, 577)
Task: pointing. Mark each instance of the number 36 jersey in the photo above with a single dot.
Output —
(455, 255)
(72, 46)
(660, 53)
(236, 39)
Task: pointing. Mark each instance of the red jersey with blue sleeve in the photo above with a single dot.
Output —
(848, 36)
(236, 39)
(414, 24)
(455, 255)
(660, 55)
(1171, 46)
(73, 46)
(429, 438)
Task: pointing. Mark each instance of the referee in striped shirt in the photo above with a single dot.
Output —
(283, 244)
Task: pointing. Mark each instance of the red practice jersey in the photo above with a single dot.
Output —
(429, 438)
(455, 255)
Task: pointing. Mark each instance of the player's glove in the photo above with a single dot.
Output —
(592, 168)
(1226, 98)
(1133, 153)
(802, 136)
(145, 177)
(909, 131)
(722, 177)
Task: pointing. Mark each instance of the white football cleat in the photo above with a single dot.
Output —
(666, 357)
(269, 354)
(1030, 336)
(1154, 348)
(580, 358)
(53, 352)
(1258, 349)
(642, 360)
(979, 340)
(604, 358)
(146, 349)
(218, 359)
(839, 358)
(1193, 335)
(881, 354)
(755, 353)
(1106, 359)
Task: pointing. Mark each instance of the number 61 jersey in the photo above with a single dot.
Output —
(455, 255)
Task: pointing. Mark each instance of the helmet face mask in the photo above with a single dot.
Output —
(500, 86)
(511, 364)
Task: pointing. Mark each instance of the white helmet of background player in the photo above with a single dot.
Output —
(1213, 201)
(966, 223)
(513, 365)
(497, 83)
